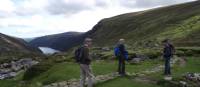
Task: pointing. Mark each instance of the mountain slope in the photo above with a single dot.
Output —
(12, 43)
(61, 42)
(178, 22)
(11, 47)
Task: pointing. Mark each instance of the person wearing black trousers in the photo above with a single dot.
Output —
(168, 52)
(121, 57)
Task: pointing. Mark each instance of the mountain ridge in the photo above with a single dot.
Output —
(61, 42)
(149, 25)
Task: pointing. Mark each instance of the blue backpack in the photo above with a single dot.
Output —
(126, 55)
(116, 51)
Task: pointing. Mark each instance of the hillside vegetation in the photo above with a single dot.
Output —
(15, 48)
(181, 23)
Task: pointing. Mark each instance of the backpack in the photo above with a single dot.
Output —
(126, 55)
(78, 54)
(116, 51)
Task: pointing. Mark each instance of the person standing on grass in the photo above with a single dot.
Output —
(168, 52)
(85, 61)
(122, 55)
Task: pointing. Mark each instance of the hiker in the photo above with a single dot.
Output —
(168, 52)
(122, 55)
(85, 62)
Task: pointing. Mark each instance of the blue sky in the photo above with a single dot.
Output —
(32, 18)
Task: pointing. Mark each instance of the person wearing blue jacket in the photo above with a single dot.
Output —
(168, 52)
(122, 55)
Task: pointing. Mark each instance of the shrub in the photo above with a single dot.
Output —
(180, 53)
(153, 54)
(36, 70)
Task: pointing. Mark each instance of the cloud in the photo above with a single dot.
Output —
(65, 7)
(31, 18)
(6, 8)
(102, 3)
(149, 3)
(71, 7)
(57, 7)
(30, 7)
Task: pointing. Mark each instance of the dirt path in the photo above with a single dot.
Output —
(103, 78)
(75, 82)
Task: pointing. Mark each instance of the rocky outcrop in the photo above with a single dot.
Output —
(10, 70)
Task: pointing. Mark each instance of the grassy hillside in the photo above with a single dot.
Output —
(181, 23)
(13, 48)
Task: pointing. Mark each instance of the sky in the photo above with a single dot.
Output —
(33, 18)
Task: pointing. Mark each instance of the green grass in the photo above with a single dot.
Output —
(125, 82)
(8, 83)
(67, 71)
(59, 72)
(12, 82)
(192, 65)
(143, 66)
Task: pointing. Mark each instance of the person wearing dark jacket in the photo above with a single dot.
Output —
(85, 61)
(121, 57)
(168, 52)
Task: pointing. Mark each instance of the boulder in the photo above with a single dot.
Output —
(105, 49)
(143, 57)
(193, 76)
(183, 84)
(135, 61)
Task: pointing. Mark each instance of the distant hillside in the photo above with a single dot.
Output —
(181, 23)
(12, 47)
(62, 42)
(28, 39)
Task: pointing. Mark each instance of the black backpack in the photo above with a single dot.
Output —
(78, 54)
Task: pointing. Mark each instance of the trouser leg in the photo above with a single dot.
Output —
(119, 66)
(90, 76)
(83, 76)
(123, 67)
(88, 72)
(167, 66)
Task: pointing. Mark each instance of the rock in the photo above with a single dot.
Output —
(75, 82)
(54, 85)
(183, 83)
(133, 74)
(142, 57)
(10, 70)
(105, 49)
(135, 61)
(62, 84)
(193, 76)
(168, 78)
